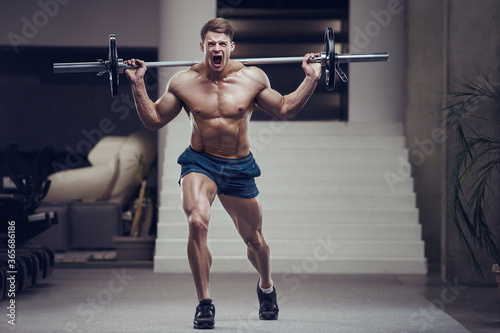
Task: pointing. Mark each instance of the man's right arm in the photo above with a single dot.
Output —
(154, 115)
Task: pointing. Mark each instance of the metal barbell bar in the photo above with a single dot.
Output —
(115, 66)
(100, 66)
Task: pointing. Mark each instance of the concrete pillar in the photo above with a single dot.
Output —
(426, 79)
(445, 43)
(179, 39)
(472, 41)
(377, 90)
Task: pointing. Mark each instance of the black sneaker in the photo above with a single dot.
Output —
(268, 304)
(204, 318)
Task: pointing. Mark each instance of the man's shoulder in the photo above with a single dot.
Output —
(255, 74)
(186, 74)
(183, 77)
(252, 71)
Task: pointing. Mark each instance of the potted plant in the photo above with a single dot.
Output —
(496, 270)
(139, 244)
(476, 162)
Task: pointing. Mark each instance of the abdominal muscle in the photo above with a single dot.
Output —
(222, 137)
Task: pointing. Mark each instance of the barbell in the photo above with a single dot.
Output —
(329, 60)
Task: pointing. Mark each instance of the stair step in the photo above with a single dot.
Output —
(361, 200)
(299, 128)
(293, 270)
(309, 231)
(303, 216)
(280, 183)
(328, 206)
(316, 154)
(339, 167)
(298, 248)
(338, 161)
(267, 140)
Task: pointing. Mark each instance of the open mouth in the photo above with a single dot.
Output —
(217, 59)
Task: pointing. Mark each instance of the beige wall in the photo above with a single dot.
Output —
(179, 40)
(377, 90)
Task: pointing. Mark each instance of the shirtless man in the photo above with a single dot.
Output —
(219, 96)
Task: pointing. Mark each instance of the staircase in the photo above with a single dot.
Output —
(336, 197)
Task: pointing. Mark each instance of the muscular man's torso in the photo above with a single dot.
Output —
(220, 111)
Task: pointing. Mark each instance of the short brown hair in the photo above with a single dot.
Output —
(217, 25)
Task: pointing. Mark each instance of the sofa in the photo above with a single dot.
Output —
(90, 200)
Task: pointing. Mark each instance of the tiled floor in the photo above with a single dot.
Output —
(476, 308)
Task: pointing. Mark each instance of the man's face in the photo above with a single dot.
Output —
(217, 48)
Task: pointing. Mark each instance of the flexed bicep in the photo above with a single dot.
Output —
(268, 100)
(167, 107)
(285, 107)
(155, 115)
(271, 102)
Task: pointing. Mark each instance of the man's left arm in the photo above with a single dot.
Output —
(284, 107)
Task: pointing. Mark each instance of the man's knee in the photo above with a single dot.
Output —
(255, 242)
(198, 225)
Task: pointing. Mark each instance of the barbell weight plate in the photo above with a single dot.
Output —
(330, 59)
(113, 66)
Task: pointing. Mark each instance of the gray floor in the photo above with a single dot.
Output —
(117, 299)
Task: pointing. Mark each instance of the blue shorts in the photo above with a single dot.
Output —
(234, 177)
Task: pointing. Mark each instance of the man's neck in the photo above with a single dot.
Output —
(217, 76)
